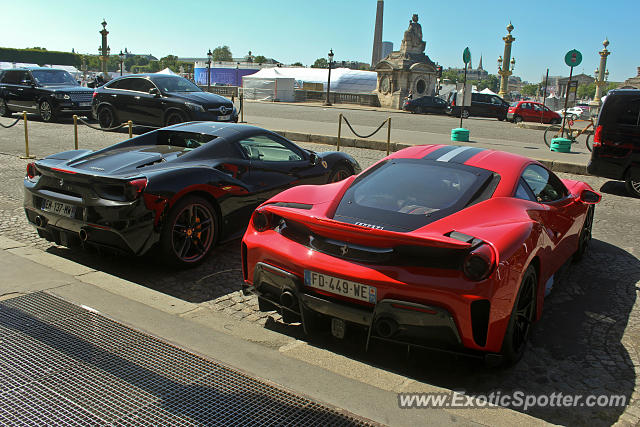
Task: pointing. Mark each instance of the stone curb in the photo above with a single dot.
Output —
(554, 165)
(539, 126)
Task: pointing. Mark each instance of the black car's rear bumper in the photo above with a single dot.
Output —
(126, 228)
(613, 168)
(395, 321)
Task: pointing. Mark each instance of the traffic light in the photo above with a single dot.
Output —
(439, 71)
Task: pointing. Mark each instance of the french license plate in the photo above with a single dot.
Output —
(342, 287)
(58, 208)
(222, 118)
(84, 104)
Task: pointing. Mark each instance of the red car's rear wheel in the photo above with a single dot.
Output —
(522, 317)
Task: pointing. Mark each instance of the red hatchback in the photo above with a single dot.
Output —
(528, 111)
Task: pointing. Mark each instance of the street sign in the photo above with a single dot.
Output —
(466, 55)
(573, 58)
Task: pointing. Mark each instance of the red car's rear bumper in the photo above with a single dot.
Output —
(425, 306)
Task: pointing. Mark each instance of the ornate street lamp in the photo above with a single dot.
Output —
(330, 55)
(121, 56)
(601, 74)
(503, 63)
(210, 57)
(104, 49)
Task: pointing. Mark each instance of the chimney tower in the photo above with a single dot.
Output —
(377, 36)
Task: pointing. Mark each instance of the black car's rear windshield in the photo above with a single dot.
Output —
(53, 77)
(405, 194)
(175, 84)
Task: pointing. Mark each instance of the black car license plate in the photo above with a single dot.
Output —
(58, 208)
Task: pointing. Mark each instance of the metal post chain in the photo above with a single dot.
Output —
(12, 124)
(389, 136)
(363, 136)
(339, 130)
(242, 107)
(103, 129)
(26, 138)
(75, 130)
(130, 124)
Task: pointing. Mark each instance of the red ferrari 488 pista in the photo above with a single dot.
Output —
(437, 246)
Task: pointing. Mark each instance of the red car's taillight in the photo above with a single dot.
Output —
(262, 220)
(135, 187)
(32, 171)
(480, 263)
(597, 137)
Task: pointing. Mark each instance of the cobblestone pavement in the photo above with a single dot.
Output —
(587, 342)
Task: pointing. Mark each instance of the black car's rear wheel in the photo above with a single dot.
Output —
(465, 114)
(418, 110)
(46, 111)
(174, 118)
(106, 117)
(339, 173)
(4, 110)
(189, 232)
(522, 317)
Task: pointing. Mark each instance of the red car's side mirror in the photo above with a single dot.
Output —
(589, 197)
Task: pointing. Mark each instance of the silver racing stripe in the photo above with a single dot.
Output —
(451, 154)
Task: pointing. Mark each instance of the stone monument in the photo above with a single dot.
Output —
(406, 70)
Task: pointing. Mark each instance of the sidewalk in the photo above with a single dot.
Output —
(258, 352)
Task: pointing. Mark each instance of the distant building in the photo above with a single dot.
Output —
(552, 85)
(582, 79)
(632, 83)
(387, 48)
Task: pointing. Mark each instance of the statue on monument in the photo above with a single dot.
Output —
(412, 41)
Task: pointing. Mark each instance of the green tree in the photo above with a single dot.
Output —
(260, 59)
(491, 83)
(222, 53)
(530, 90)
(320, 63)
(297, 64)
(451, 75)
(587, 90)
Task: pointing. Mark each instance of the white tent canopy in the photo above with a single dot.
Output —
(167, 71)
(488, 91)
(342, 79)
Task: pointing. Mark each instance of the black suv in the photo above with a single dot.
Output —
(482, 105)
(158, 100)
(426, 104)
(45, 91)
(616, 141)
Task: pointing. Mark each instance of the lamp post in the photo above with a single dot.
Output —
(104, 49)
(121, 56)
(209, 58)
(601, 74)
(330, 55)
(504, 62)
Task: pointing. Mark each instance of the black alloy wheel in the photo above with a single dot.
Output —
(4, 110)
(418, 110)
(517, 119)
(585, 234)
(46, 111)
(339, 173)
(522, 317)
(106, 118)
(190, 231)
(465, 114)
(174, 118)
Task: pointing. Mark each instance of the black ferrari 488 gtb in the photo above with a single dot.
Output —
(185, 187)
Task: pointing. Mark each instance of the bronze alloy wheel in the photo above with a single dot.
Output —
(585, 234)
(106, 118)
(193, 228)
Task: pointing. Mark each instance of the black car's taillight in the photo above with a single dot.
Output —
(597, 137)
(32, 170)
(134, 188)
(480, 263)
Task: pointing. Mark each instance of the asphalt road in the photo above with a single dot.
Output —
(588, 341)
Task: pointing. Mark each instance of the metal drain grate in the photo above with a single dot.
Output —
(63, 365)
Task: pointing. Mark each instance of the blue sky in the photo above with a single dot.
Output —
(304, 30)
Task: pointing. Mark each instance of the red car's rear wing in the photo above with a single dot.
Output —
(363, 235)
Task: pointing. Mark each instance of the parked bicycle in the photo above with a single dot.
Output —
(570, 132)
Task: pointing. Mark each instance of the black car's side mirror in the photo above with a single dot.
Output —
(589, 197)
(314, 159)
(154, 91)
(27, 83)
